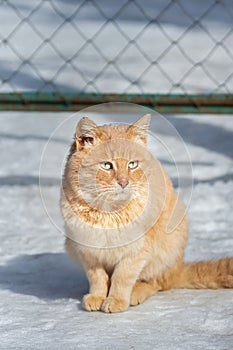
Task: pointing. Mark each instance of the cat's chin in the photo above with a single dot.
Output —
(122, 196)
(118, 202)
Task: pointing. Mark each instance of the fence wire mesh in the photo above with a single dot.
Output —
(124, 46)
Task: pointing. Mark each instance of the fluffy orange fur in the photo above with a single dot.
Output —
(117, 203)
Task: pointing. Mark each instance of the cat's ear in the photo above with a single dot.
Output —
(87, 133)
(139, 130)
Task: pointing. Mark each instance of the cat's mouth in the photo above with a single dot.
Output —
(123, 194)
(115, 201)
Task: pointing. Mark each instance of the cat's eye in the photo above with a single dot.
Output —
(106, 165)
(133, 164)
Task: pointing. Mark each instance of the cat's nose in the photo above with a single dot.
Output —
(123, 182)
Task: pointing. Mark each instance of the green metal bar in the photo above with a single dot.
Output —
(174, 103)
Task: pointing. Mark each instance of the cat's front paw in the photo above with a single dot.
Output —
(92, 302)
(112, 304)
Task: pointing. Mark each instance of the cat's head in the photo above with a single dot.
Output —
(89, 134)
(110, 162)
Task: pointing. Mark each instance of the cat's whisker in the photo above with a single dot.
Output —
(95, 186)
(102, 196)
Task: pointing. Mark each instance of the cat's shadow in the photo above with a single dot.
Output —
(46, 276)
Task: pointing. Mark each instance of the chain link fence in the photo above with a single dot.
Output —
(74, 48)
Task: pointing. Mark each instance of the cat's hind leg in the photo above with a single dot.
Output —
(142, 291)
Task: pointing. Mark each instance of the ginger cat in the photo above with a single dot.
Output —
(118, 202)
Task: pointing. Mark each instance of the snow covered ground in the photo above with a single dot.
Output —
(41, 288)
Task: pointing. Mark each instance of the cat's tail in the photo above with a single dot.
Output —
(212, 274)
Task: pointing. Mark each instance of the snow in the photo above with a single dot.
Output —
(41, 288)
